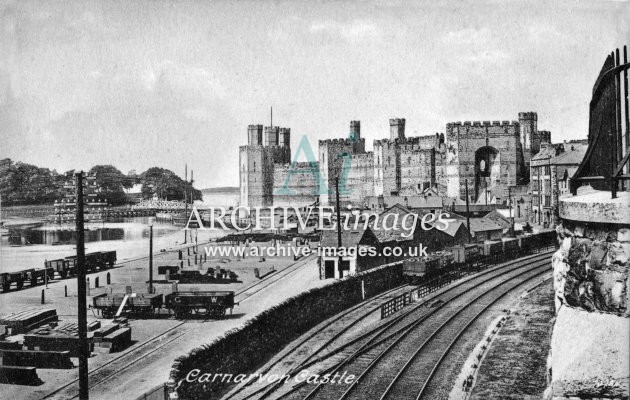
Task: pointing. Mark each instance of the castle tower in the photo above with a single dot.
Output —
(397, 128)
(255, 135)
(271, 135)
(528, 122)
(355, 130)
(284, 137)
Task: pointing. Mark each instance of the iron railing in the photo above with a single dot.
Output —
(605, 165)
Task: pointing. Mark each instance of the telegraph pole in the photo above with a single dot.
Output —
(338, 225)
(467, 208)
(511, 211)
(185, 201)
(150, 257)
(81, 291)
(540, 187)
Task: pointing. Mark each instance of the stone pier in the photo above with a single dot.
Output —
(591, 336)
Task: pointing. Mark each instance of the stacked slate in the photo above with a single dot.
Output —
(119, 339)
(34, 358)
(24, 321)
(64, 337)
(111, 338)
(19, 375)
(103, 331)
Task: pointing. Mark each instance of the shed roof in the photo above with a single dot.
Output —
(349, 238)
(484, 225)
(395, 232)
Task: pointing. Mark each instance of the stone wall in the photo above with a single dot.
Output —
(591, 270)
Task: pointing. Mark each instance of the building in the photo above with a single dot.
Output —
(5, 164)
(337, 265)
(490, 156)
(551, 171)
(134, 193)
(483, 229)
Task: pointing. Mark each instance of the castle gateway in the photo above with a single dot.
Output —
(490, 155)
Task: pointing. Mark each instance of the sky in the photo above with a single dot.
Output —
(138, 84)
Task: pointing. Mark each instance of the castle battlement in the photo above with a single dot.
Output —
(338, 141)
(411, 140)
(481, 123)
(528, 115)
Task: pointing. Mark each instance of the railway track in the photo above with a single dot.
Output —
(127, 359)
(104, 372)
(400, 334)
(251, 290)
(338, 326)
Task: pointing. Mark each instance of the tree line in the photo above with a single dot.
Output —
(24, 184)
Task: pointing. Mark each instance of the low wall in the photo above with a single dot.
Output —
(243, 350)
(590, 345)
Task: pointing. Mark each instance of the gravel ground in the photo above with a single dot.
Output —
(515, 365)
(134, 273)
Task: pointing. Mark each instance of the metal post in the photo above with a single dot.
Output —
(511, 211)
(151, 258)
(185, 201)
(540, 185)
(338, 225)
(81, 291)
(627, 117)
(467, 208)
(616, 130)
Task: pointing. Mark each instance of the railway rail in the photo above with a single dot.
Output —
(367, 338)
(129, 358)
(246, 293)
(369, 344)
(338, 325)
(104, 372)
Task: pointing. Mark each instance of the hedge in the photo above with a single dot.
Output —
(243, 350)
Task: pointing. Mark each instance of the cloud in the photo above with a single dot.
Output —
(351, 31)
(468, 36)
(488, 57)
(544, 33)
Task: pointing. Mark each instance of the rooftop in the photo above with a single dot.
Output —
(349, 238)
(394, 232)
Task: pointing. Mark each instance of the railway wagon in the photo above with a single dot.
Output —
(418, 267)
(213, 303)
(66, 267)
(61, 267)
(142, 304)
(91, 261)
(36, 275)
(107, 259)
(465, 253)
(491, 248)
(9, 278)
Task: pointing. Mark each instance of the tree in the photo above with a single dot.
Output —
(111, 183)
(22, 183)
(166, 184)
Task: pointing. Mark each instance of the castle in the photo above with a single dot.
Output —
(489, 156)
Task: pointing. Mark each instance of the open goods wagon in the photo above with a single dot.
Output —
(143, 304)
(213, 303)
